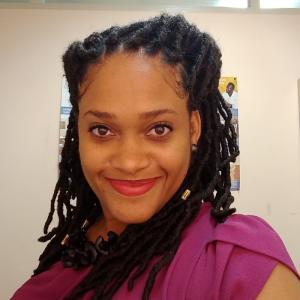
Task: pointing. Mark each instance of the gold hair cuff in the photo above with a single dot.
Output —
(65, 240)
(186, 194)
(85, 223)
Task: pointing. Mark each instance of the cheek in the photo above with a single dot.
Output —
(176, 160)
(92, 164)
(90, 158)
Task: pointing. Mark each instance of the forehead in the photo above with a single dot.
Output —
(132, 79)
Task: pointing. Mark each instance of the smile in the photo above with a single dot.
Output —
(133, 187)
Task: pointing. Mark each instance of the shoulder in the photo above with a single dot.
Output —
(237, 256)
(238, 229)
(282, 284)
(249, 232)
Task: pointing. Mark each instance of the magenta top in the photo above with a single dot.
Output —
(232, 260)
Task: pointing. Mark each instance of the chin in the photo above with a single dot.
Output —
(136, 217)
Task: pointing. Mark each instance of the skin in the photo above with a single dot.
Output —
(130, 147)
(282, 284)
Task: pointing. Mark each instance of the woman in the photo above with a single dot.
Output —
(143, 196)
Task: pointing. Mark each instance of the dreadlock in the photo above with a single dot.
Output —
(179, 44)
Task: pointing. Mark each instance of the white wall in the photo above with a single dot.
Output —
(261, 50)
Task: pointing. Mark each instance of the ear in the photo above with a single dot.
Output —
(195, 126)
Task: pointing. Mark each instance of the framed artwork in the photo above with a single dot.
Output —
(65, 109)
(229, 89)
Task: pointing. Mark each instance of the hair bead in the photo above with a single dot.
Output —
(185, 195)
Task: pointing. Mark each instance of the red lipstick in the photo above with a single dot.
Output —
(133, 187)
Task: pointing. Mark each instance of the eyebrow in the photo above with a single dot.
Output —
(144, 115)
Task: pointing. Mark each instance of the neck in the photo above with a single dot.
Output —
(102, 227)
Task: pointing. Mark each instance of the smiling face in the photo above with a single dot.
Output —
(230, 88)
(134, 124)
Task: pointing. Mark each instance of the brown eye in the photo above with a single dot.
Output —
(160, 130)
(100, 130)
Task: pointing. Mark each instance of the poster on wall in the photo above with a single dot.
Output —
(65, 109)
(228, 88)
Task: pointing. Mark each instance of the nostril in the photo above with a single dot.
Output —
(130, 162)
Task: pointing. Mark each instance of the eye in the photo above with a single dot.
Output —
(160, 130)
(100, 130)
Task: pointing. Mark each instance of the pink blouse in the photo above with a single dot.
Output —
(232, 260)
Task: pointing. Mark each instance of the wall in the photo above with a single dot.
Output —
(261, 50)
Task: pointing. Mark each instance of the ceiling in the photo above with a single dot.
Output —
(168, 5)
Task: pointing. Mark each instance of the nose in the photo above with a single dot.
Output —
(130, 157)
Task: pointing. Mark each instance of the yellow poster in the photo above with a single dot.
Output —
(229, 90)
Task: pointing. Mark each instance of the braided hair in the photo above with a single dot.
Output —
(196, 53)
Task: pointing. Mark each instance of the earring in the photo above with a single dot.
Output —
(194, 148)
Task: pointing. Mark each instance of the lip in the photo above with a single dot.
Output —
(133, 187)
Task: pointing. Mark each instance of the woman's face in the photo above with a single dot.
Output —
(135, 136)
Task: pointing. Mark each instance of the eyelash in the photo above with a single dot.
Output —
(158, 125)
(98, 127)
